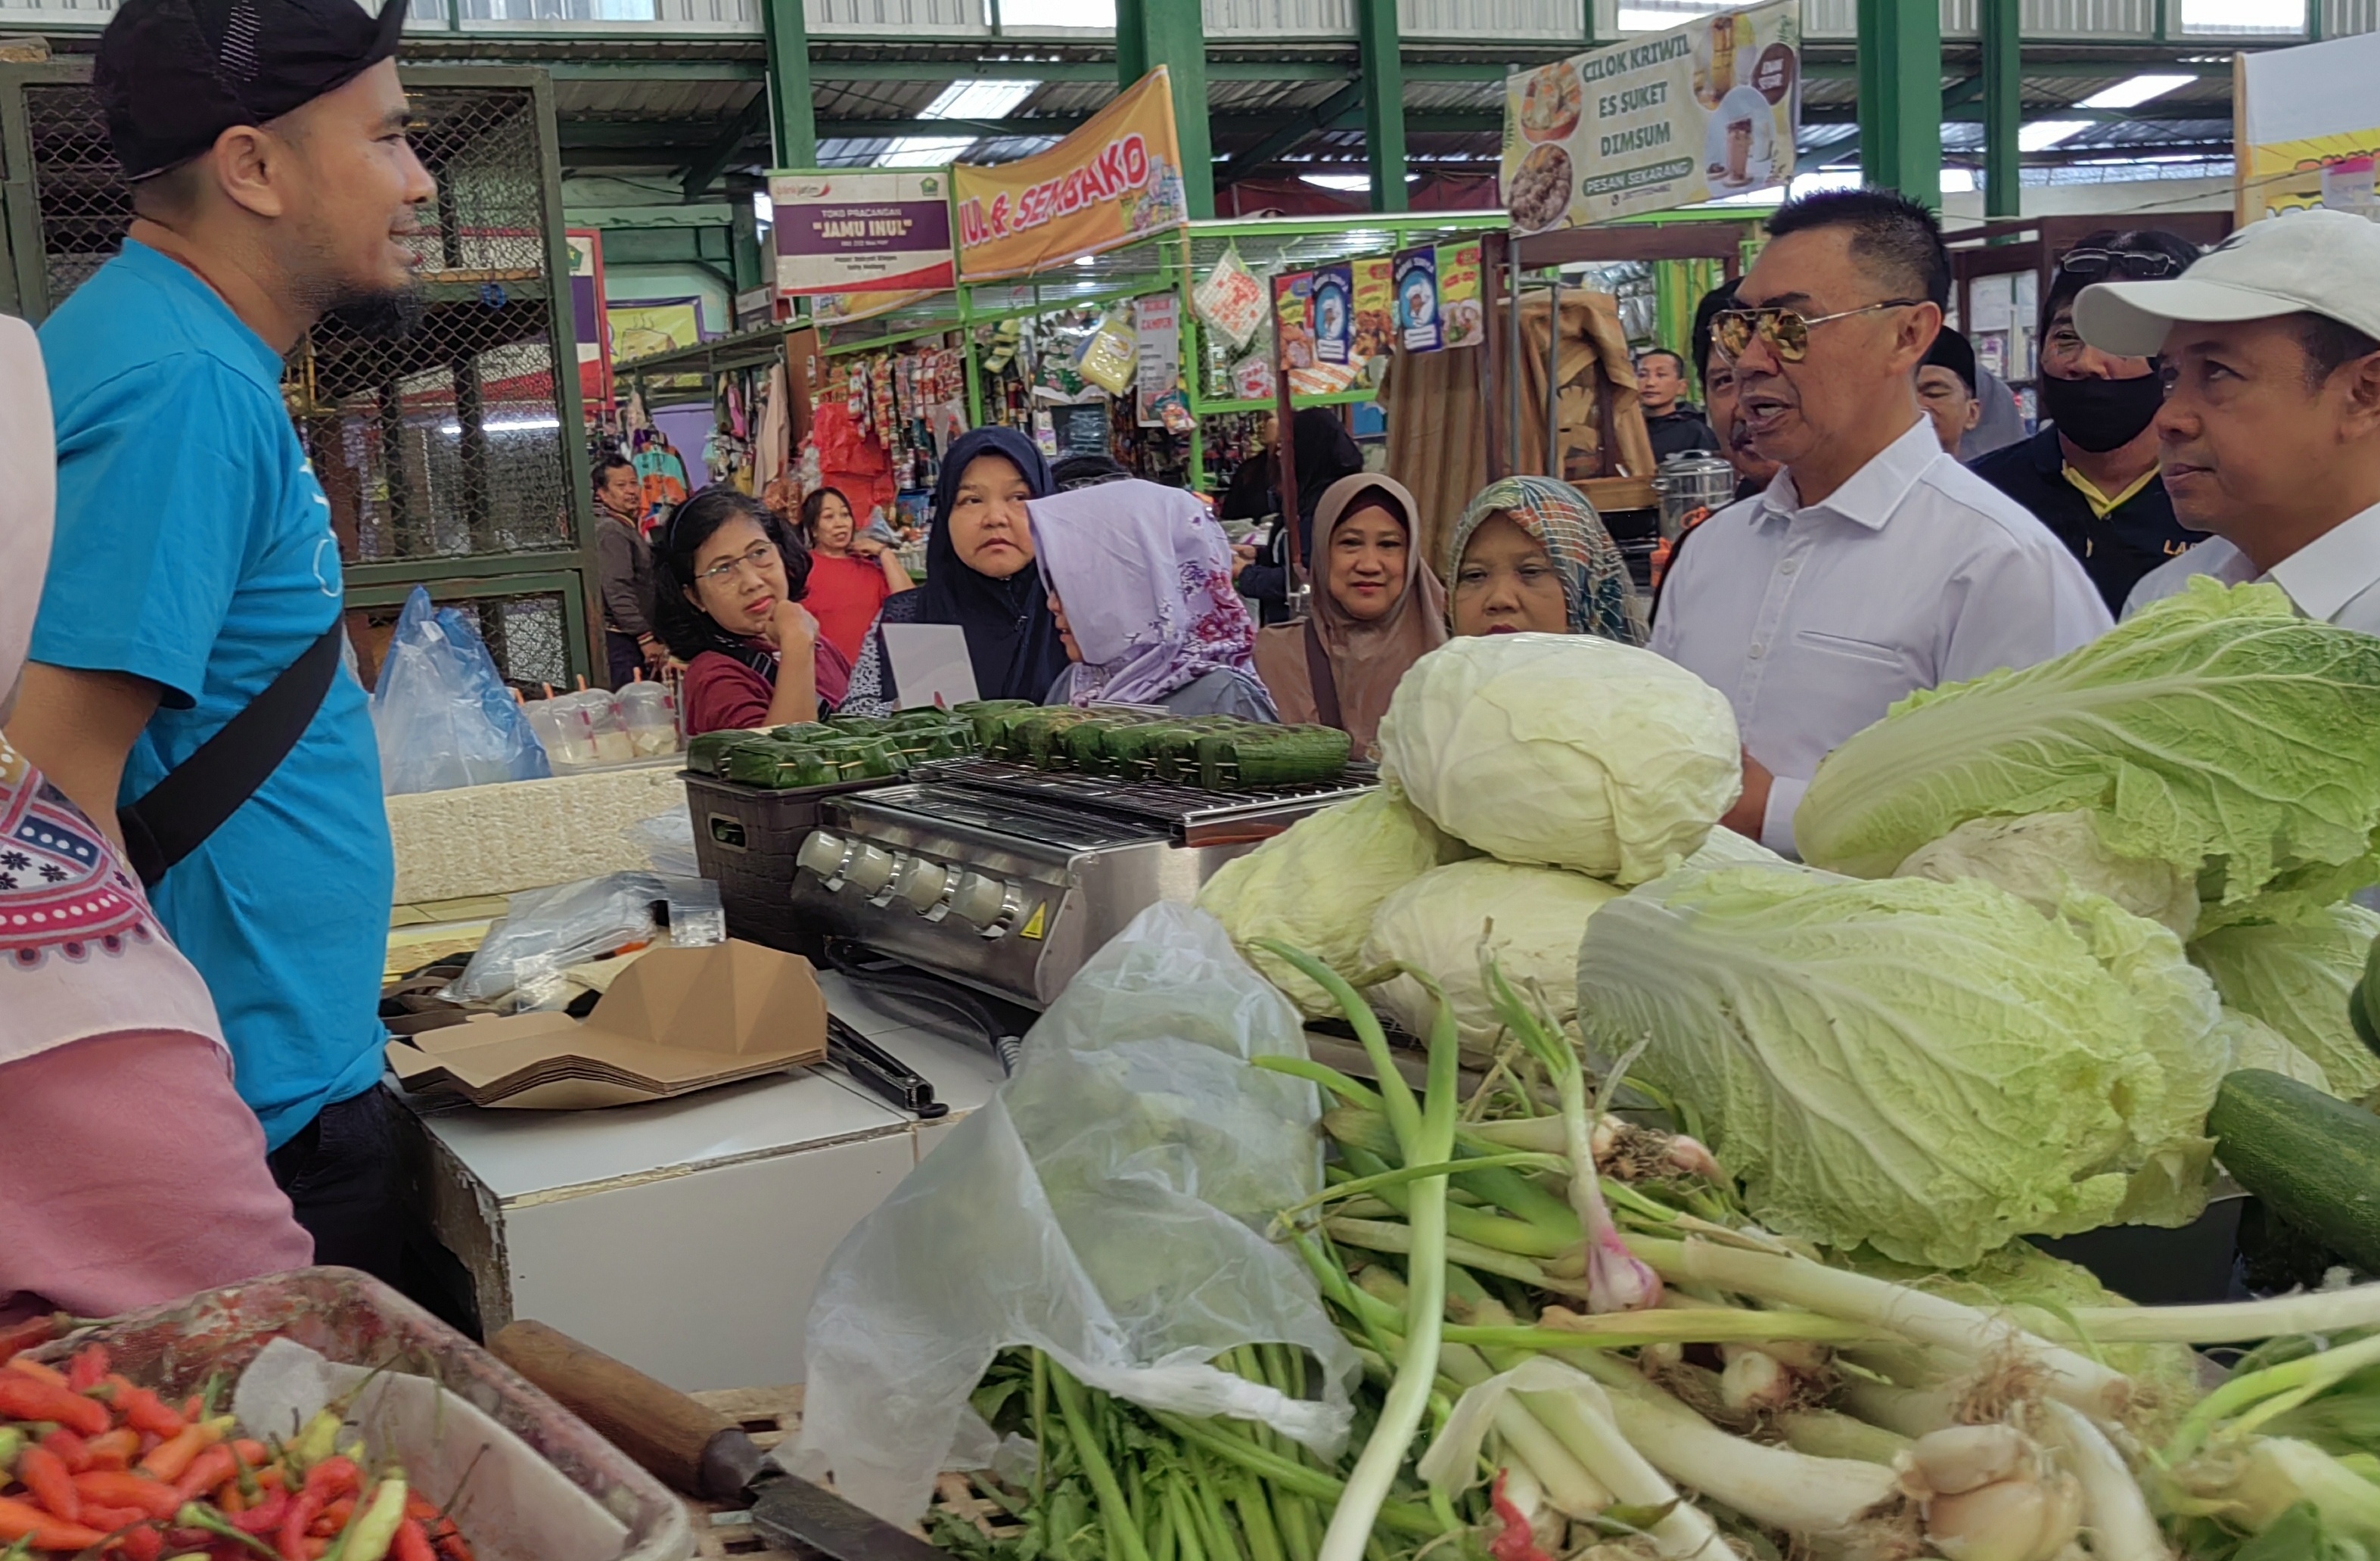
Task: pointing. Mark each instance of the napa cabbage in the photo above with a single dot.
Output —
(2217, 731)
(2295, 976)
(1564, 751)
(1530, 918)
(1929, 1068)
(1317, 886)
(2047, 856)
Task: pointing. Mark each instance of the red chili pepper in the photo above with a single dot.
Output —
(25, 1365)
(143, 1544)
(115, 1450)
(88, 1369)
(22, 1399)
(108, 1520)
(20, 1519)
(72, 1450)
(266, 1516)
(412, 1544)
(143, 1411)
(251, 1452)
(153, 1498)
(210, 1469)
(194, 1406)
(333, 1518)
(32, 1333)
(46, 1475)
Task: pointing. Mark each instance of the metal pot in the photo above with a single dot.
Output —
(1692, 485)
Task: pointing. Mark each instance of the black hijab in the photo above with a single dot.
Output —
(1011, 638)
(1326, 452)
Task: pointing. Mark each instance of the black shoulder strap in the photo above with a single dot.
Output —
(177, 814)
(1317, 671)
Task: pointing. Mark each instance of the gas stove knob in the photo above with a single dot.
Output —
(824, 853)
(980, 899)
(869, 868)
(921, 886)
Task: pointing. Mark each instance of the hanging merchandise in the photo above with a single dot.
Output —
(661, 474)
(768, 455)
(1461, 316)
(1293, 304)
(1416, 275)
(1045, 434)
(1252, 378)
(1333, 314)
(1112, 356)
(1376, 309)
(851, 459)
(1230, 300)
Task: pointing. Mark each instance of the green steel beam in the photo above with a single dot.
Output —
(713, 159)
(1899, 97)
(1383, 86)
(1976, 112)
(794, 134)
(2003, 107)
(1172, 33)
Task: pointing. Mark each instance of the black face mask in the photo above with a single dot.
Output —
(2101, 415)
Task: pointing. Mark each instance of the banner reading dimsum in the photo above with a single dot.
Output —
(1704, 110)
(2308, 113)
(1114, 180)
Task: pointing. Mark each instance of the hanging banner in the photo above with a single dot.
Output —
(589, 323)
(1416, 275)
(1293, 315)
(1111, 182)
(1376, 307)
(1334, 313)
(1704, 110)
(2308, 126)
(1461, 319)
(1157, 321)
(862, 230)
(641, 328)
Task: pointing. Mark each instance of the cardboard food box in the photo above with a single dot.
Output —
(677, 1020)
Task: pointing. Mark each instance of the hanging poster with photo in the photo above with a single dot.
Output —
(1417, 280)
(1334, 313)
(1708, 109)
(1461, 317)
(1376, 307)
(1292, 306)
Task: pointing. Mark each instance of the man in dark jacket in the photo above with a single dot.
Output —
(1670, 418)
(2091, 473)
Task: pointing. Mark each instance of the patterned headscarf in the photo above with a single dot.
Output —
(1595, 587)
(1145, 574)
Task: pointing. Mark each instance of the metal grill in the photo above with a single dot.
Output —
(83, 201)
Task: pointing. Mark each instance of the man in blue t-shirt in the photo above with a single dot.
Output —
(272, 185)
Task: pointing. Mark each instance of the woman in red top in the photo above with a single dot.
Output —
(731, 608)
(851, 576)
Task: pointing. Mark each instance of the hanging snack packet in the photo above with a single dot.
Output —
(1110, 359)
(1230, 300)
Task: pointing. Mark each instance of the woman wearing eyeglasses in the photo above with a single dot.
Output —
(731, 608)
(2091, 473)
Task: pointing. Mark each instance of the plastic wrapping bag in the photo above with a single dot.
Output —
(441, 710)
(545, 931)
(1107, 1206)
(667, 840)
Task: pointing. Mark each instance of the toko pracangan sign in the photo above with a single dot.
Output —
(1116, 179)
(862, 230)
(1701, 111)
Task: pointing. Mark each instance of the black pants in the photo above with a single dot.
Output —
(622, 655)
(340, 1173)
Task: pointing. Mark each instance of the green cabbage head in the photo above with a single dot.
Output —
(1928, 1068)
(1317, 886)
(1564, 751)
(2217, 731)
(2295, 976)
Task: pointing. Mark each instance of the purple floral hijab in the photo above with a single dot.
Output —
(1146, 577)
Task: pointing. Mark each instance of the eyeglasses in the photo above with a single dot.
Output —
(1786, 331)
(2090, 265)
(757, 558)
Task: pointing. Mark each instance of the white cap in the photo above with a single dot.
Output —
(2311, 261)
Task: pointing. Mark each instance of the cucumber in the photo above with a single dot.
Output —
(2315, 1160)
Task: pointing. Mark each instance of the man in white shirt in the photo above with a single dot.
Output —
(1875, 565)
(2269, 435)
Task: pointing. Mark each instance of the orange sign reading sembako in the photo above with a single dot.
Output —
(1116, 179)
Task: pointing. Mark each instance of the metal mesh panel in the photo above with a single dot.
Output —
(526, 635)
(83, 201)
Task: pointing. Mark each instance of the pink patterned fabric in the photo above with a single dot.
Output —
(1144, 574)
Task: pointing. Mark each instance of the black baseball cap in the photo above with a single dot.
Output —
(173, 75)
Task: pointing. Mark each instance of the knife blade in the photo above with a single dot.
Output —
(700, 1451)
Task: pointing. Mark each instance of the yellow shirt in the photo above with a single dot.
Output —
(2101, 504)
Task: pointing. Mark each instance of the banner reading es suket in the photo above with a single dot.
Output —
(1113, 180)
(861, 231)
(1708, 109)
(2307, 113)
